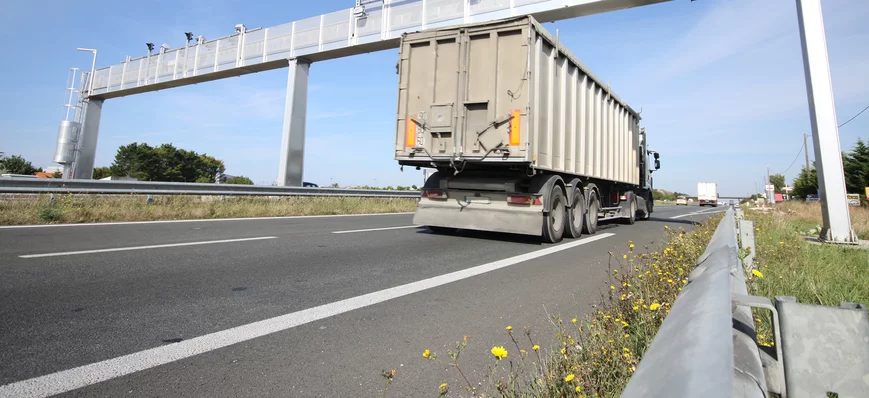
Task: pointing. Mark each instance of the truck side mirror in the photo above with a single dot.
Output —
(657, 163)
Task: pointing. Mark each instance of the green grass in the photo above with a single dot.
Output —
(814, 274)
(22, 210)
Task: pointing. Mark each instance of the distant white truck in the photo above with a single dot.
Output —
(707, 193)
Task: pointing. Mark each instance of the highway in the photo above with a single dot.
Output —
(295, 306)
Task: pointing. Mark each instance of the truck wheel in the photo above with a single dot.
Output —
(442, 230)
(632, 210)
(575, 217)
(590, 225)
(554, 222)
(648, 213)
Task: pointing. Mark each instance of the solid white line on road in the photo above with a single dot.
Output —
(697, 213)
(86, 375)
(375, 229)
(102, 224)
(120, 249)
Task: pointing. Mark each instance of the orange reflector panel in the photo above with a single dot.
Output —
(515, 118)
(431, 194)
(410, 133)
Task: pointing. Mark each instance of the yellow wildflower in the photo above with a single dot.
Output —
(631, 246)
(499, 352)
(522, 351)
(612, 287)
(578, 388)
(569, 377)
(625, 324)
(563, 351)
(627, 335)
(636, 307)
(509, 328)
(669, 281)
(536, 347)
(625, 256)
(626, 349)
(443, 386)
(573, 320)
(757, 273)
(426, 354)
(654, 306)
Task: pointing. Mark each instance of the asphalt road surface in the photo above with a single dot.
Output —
(296, 306)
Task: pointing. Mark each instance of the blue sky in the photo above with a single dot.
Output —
(720, 84)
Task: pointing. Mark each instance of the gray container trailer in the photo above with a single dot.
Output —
(524, 137)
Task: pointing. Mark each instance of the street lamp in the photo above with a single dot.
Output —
(93, 69)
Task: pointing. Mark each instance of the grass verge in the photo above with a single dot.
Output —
(22, 210)
(788, 265)
(808, 215)
(594, 355)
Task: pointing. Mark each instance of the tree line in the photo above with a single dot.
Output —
(856, 165)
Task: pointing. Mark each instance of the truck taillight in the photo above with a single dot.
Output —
(623, 198)
(524, 200)
(434, 194)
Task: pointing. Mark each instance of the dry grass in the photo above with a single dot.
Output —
(89, 208)
(808, 215)
(595, 354)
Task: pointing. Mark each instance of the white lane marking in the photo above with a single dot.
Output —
(100, 224)
(697, 213)
(86, 375)
(120, 249)
(375, 229)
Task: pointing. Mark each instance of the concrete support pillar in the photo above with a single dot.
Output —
(825, 130)
(293, 137)
(83, 168)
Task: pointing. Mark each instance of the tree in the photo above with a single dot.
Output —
(57, 174)
(17, 165)
(806, 183)
(165, 163)
(240, 180)
(102, 172)
(778, 181)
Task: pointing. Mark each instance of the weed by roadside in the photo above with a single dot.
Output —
(596, 354)
(808, 216)
(15, 210)
(787, 265)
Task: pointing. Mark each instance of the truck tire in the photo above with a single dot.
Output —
(590, 225)
(647, 214)
(554, 222)
(575, 215)
(632, 210)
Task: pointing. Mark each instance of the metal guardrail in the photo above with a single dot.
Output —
(707, 346)
(52, 185)
(698, 352)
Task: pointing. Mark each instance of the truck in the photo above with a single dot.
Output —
(523, 137)
(707, 193)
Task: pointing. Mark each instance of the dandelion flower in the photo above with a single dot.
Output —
(573, 320)
(569, 377)
(509, 328)
(625, 256)
(654, 306)
(781, 243)
(757, 273)
(631, 246)
(627, 335)
(426, 354)
(443, 386)
(626, 349)
(636, 307)
(536, 347)
(499, 352)
(612, 287)
(578, 388)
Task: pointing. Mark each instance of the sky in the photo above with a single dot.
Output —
(720, 84)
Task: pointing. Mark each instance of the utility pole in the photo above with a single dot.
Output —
(806, 150)
(825, 133)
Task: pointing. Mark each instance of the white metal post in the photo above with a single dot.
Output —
(825, 131)
(292, 158)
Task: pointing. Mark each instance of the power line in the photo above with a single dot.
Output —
(795, 160)
(855, 116)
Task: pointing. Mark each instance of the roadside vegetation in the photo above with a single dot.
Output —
(33, 209)
(788, 265)
(592, 355)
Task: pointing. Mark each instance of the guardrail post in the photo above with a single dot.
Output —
(746, 242)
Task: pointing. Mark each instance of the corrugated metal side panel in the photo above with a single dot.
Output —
(579, 127)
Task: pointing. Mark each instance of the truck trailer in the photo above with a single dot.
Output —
(707, 193)
(524, 138)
